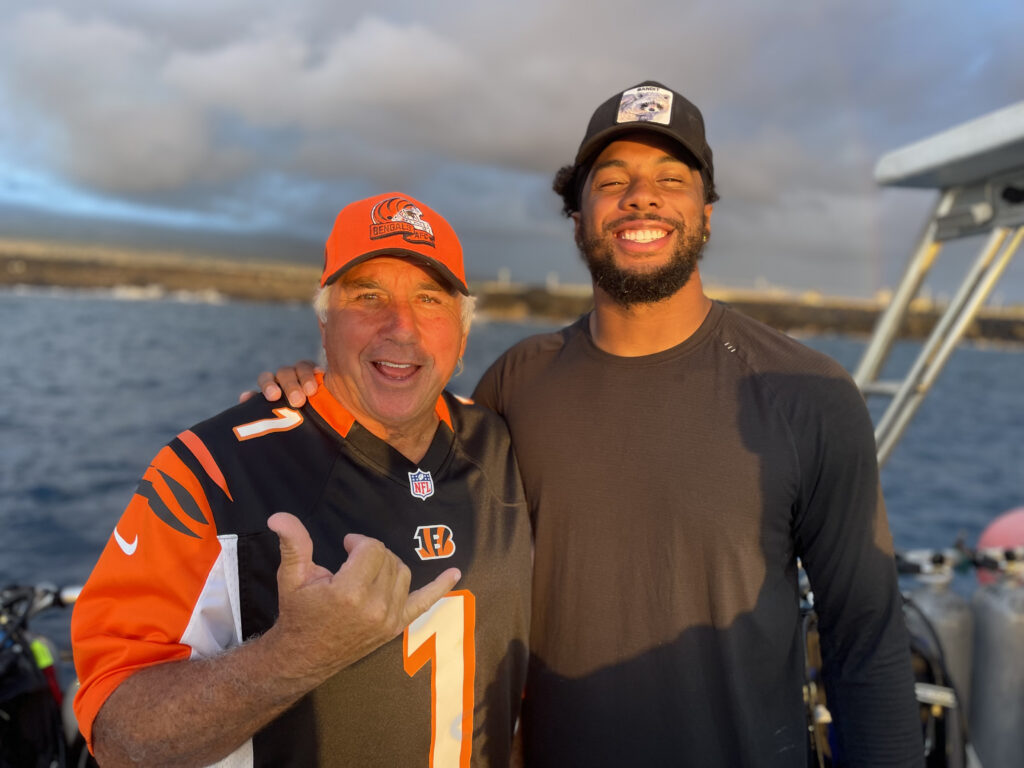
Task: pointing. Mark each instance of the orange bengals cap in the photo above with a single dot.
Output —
(393, 224)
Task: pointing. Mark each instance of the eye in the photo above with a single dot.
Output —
(609, 181)
(610, 178)
(676, 176)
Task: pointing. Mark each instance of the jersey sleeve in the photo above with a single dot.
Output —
(162, 588)
(842, 535)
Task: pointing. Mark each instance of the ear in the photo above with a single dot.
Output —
(707, 221)
(576, 233)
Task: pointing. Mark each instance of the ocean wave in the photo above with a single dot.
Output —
(122, 293)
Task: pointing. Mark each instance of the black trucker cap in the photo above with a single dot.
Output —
(653, 107)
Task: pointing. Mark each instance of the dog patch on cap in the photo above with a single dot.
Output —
(645, 104)
(398, 216)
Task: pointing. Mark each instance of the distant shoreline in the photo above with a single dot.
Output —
(90, 267)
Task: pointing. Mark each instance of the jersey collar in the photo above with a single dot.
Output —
(341, 420)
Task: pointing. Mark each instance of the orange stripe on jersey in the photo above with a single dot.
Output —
(139, 600)
(445, 637)
(206, 460)
(468, 687)
(335, 414)
(441, 409)
(174, 494)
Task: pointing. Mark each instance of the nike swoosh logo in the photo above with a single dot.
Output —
(128, 549)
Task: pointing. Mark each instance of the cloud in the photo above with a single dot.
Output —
(270, 114)
(105, 119)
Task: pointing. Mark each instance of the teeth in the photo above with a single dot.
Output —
(386, 364)
(642, 235)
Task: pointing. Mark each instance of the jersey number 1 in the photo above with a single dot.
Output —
(443, 636)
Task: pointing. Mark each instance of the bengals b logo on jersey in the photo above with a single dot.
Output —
(435, 542)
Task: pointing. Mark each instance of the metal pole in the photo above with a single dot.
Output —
(889, 322)
(951, 327)
(977, 299)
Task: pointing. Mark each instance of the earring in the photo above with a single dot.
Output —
(705, 238)
(459, 367)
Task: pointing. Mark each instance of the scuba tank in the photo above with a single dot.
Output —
(950, 617)
(940, 625)
(997, 708)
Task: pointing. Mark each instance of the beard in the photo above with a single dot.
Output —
(628, 287)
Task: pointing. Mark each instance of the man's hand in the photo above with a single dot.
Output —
(298, 382)
(328, 621)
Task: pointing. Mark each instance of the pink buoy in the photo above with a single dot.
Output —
(1005, 532)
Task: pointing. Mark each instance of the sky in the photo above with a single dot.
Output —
(242, 126)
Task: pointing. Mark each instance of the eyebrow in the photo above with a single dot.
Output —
(614, 163)
(362, 282)
(369, 282)
(432, 285)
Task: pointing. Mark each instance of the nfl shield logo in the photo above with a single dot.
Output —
(421, 484)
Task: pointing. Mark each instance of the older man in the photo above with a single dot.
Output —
(678, 458)
(202, 636)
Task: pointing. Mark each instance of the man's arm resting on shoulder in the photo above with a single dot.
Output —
(196, 712)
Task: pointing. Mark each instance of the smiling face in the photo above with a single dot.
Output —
(393, 334)
(642, 221)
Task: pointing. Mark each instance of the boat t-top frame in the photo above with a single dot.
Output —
(978, 168)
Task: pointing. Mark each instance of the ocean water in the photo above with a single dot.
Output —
(94, 384)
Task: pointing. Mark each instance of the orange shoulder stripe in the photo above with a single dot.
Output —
(206, 460)
(333, 412)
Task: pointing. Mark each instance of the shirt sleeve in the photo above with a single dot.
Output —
(164, 588)
(842, 535)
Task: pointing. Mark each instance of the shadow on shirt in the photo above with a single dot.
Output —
(798, 478)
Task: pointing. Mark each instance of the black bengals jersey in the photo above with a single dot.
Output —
(190, 570)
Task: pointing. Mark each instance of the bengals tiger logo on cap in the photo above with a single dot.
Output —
(399, 216)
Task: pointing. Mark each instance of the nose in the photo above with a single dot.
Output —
(401, 323)
(642, 195)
